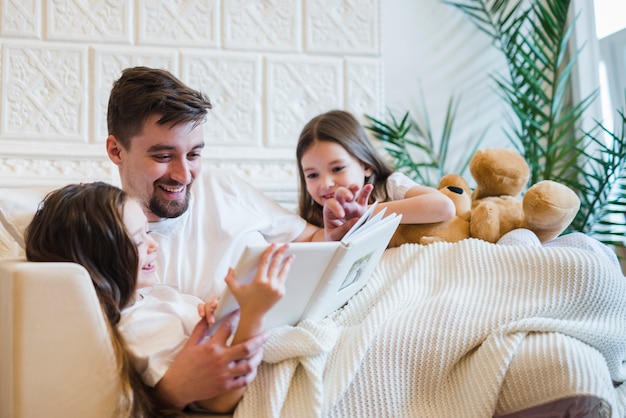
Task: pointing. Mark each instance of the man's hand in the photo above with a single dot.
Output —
(344, 210)
(207, 368)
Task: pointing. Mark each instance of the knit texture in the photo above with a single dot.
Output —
(467, 329)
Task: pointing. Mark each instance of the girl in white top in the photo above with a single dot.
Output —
(334, 151)
(98, 226)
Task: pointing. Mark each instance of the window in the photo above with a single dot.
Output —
(610, 23)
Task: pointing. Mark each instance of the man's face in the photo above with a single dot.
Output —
(159, 166)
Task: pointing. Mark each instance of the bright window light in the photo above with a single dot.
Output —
(610, 17)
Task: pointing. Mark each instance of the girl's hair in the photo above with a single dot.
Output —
(82, 223)
(342, 128)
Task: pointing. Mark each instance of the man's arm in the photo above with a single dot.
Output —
(205, 369)
(340, 213)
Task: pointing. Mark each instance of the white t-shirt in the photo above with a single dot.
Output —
(156, 327)
(225, 213)
(397, 185)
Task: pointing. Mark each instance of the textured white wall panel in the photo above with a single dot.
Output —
(233, 83)
(273, 25)
(44, 91)
(298, 89)
(349, 26)
(268, 66)
(178, 23)
(21, 18)
(93, 20)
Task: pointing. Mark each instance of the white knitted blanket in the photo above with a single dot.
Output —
(437, 328)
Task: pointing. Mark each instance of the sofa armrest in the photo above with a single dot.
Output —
(55, 352)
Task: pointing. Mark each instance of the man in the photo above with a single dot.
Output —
(200, 221)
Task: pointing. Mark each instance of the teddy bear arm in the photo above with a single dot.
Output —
(453, 230)
(485, 223)
(549, 209)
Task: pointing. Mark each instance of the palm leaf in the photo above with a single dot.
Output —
(410, 143)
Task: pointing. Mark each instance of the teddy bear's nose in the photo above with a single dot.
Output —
(455, 189)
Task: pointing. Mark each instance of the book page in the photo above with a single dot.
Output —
(352, 266)
(371, 222)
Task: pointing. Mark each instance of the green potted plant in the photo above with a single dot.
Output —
(546, 124)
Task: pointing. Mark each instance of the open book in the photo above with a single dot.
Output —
(323, 275)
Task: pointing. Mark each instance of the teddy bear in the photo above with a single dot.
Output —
(547, 208)
(495, 205)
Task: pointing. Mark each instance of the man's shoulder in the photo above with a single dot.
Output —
(217, 175)
(215, 179)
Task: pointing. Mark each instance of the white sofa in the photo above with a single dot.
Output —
(57, 359)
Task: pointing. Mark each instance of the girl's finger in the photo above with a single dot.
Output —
(277, 261)
(264, 262)
(364, 194)
(284, 270)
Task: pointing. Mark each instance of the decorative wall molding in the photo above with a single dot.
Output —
(233, 83)
(21, 18)
(44, 91)
(349, 26)
(272, 171)
(102, 21)
(269, 26)
(178, 23)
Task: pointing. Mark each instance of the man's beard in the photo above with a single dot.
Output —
(169, 208)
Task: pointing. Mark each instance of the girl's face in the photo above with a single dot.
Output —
(327, 165)
(137, 225)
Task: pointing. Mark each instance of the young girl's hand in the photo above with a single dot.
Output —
(268, 285)
(344, 210)
(207, 310)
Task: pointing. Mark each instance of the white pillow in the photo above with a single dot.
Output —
(8, 245)
(17, 208)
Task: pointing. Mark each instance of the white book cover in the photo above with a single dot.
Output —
(323, 275)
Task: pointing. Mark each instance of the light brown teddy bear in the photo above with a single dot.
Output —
(496, 206)
(547, 208)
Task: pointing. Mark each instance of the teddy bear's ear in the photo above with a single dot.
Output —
(454, 180)
(461, 198)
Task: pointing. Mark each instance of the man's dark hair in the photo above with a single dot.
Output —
(142, 92)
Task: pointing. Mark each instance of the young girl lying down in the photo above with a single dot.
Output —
(98, 226)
